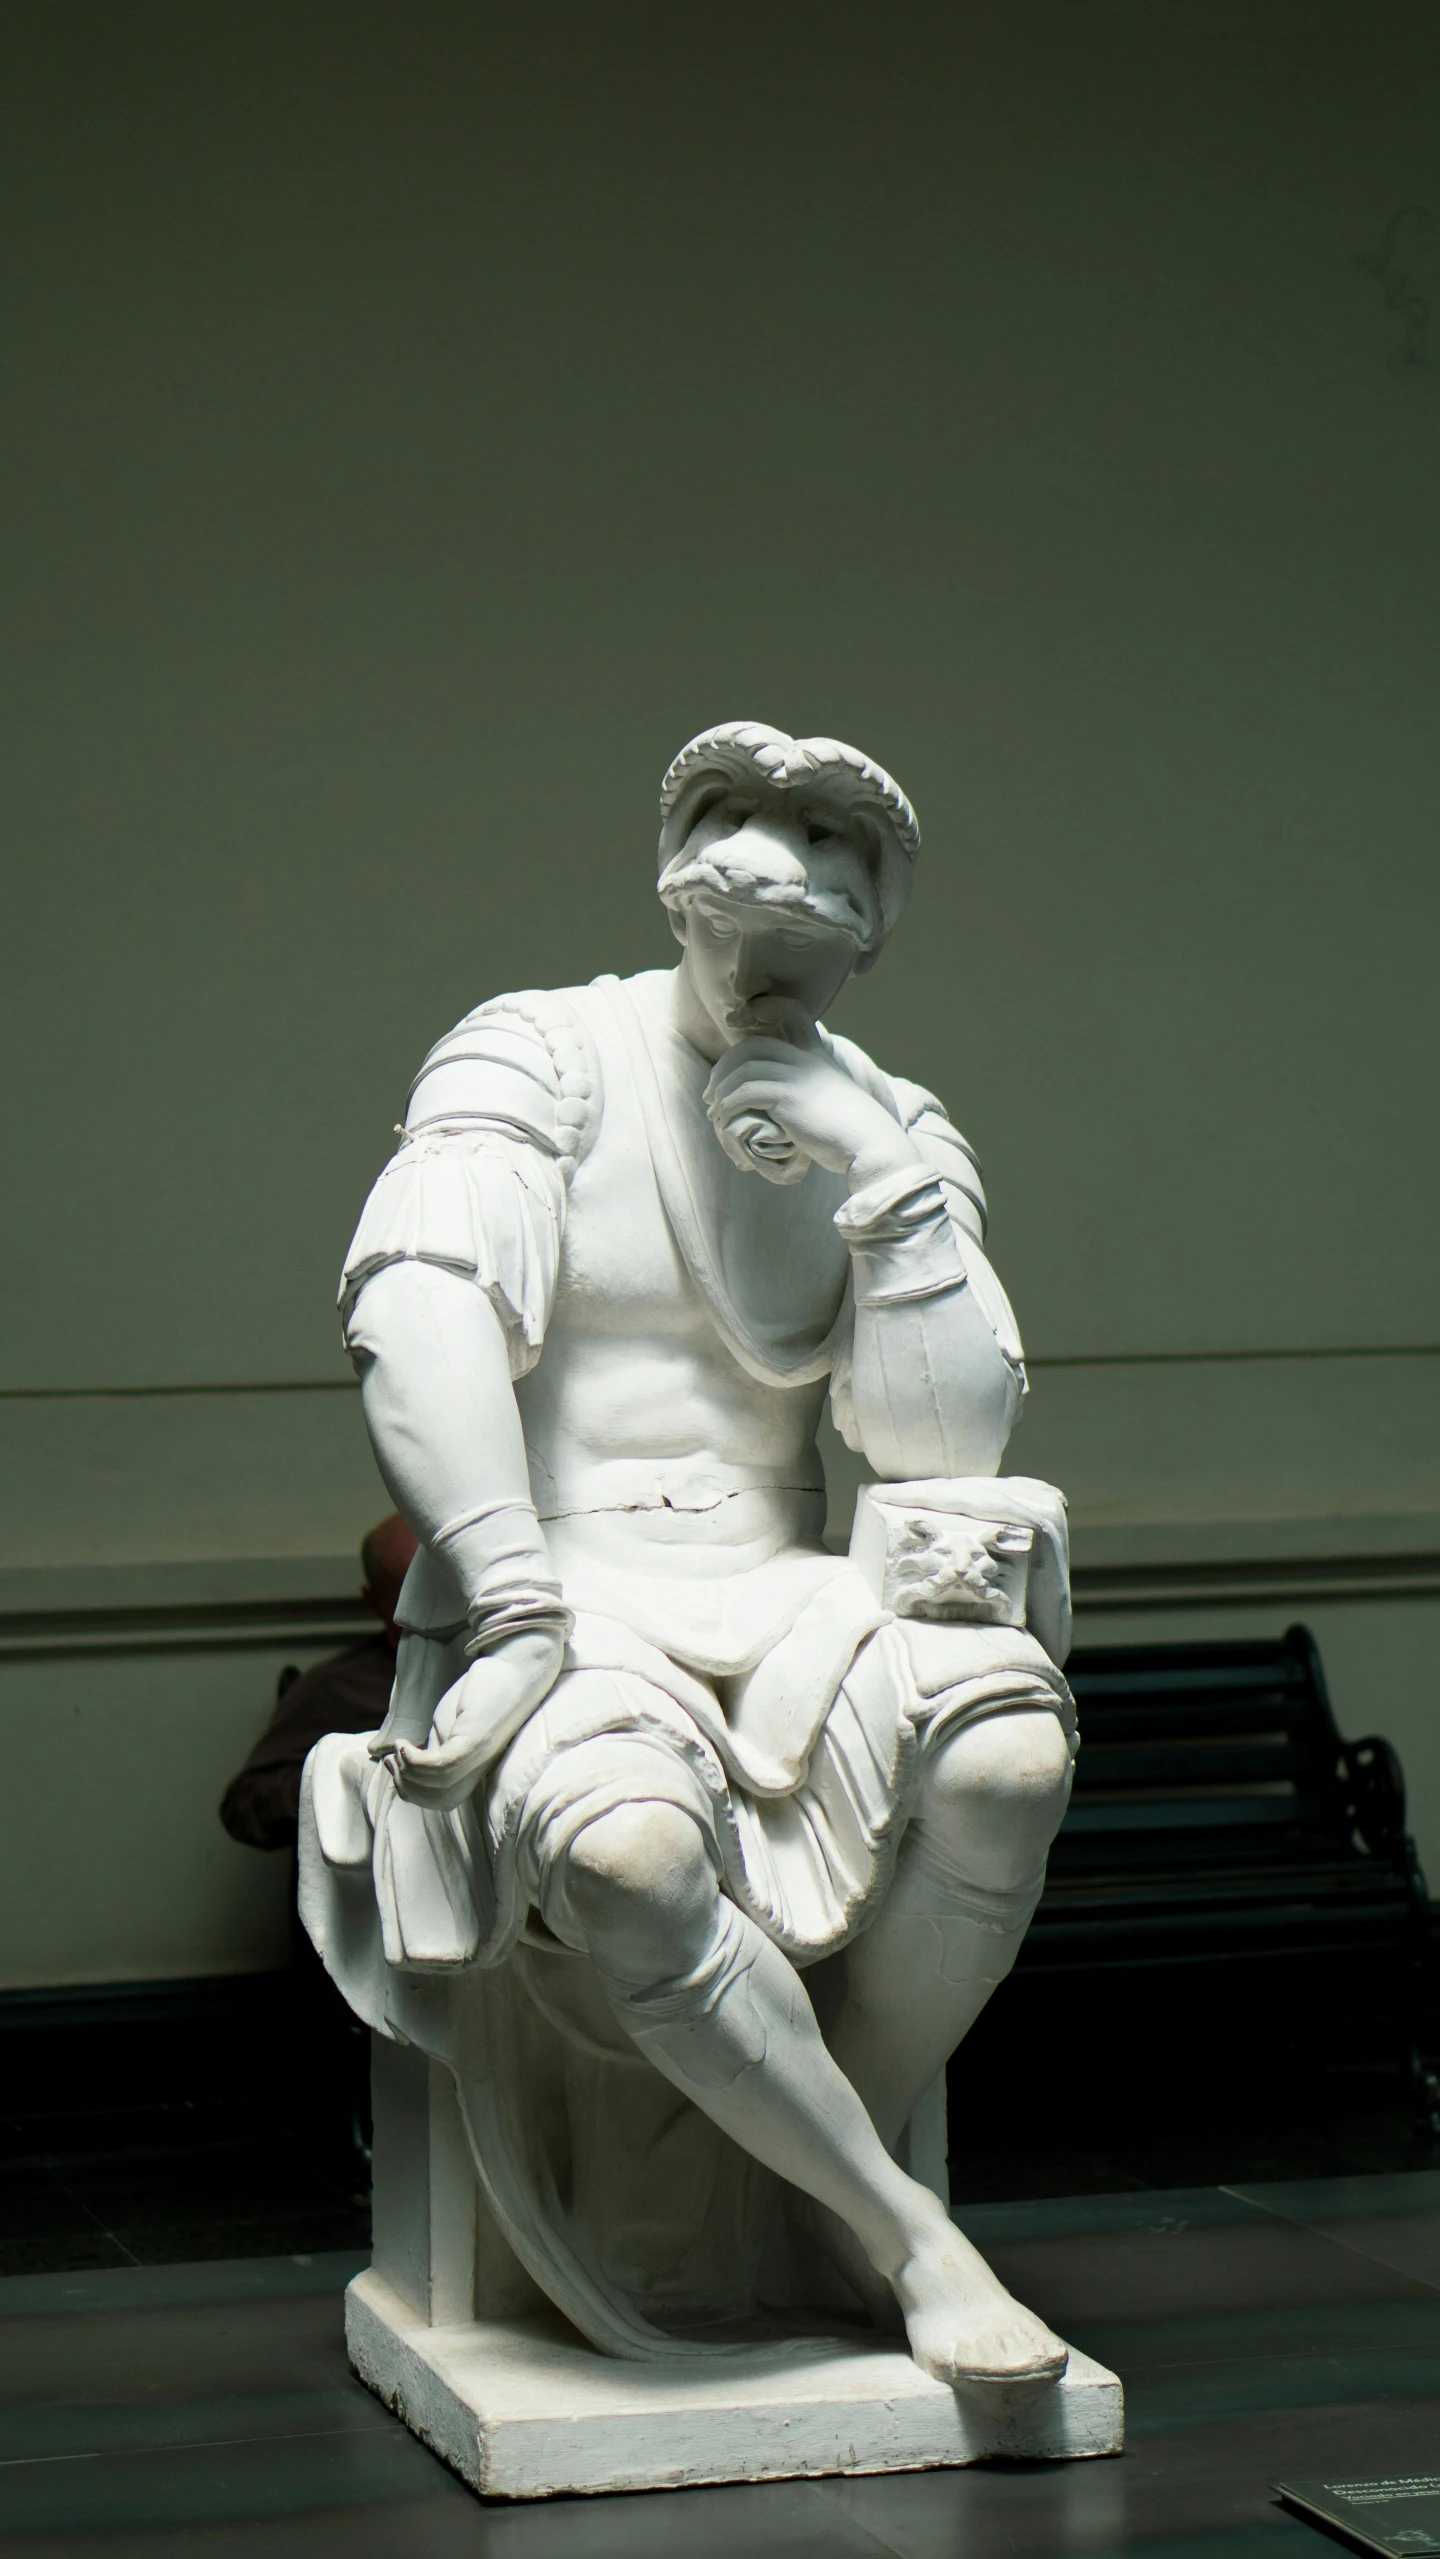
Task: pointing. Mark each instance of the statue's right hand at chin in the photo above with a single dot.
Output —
(474, 1721)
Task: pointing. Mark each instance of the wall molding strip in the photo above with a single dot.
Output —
(29, 1635)
(1034, 1360)
(1256, 1582)
(223, 1386)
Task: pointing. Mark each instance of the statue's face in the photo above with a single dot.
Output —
(747, 969)
(748, 964)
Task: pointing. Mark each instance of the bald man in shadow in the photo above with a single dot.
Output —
(349, 1693)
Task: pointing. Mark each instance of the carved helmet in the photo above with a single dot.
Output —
(818, 775)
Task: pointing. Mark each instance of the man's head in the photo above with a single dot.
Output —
(385, 1554)
(784, 863)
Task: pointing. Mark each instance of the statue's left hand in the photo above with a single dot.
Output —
(776, 1103)
(474, 1721)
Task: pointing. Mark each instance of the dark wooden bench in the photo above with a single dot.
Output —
(1220, 1820)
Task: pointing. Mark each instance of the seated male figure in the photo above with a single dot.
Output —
(633, 1233)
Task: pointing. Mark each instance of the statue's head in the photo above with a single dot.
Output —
(785, 862)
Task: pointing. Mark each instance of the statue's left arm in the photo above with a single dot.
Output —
(932, 1377)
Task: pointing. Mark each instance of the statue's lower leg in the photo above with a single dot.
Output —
(969, 1875)
(732, 2028)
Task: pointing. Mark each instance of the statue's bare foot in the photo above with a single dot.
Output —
(962, 2323)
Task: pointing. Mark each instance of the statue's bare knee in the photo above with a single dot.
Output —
(640, 1883)
(994, 1795)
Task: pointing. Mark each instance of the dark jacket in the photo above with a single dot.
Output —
(348, 1694)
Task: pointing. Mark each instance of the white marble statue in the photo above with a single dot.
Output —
(666, 1782)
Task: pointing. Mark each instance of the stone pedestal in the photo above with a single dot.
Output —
(449, 2331)
(525, 2408)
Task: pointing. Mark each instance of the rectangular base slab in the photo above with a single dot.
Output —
(524, 2408)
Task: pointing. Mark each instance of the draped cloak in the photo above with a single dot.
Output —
(778, 1701)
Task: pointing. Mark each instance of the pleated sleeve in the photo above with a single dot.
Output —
(927, 1122)
(502, 1111)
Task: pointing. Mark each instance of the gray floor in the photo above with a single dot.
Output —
(1262, 2332)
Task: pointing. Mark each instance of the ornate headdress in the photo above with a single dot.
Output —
(771, 767)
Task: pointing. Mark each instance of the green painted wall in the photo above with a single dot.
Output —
(416, 424)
